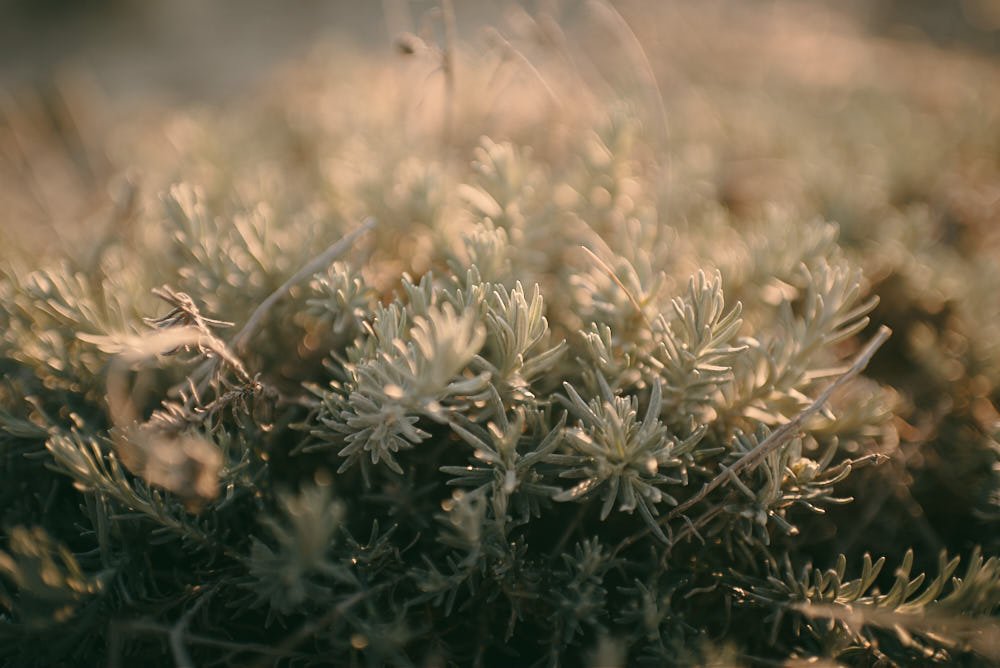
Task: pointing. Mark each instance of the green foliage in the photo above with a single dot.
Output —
(536, 415)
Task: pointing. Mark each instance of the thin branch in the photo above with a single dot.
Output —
(787, 431)
(978, 634)
(511, 52)
(606, 268)
(775, 440)
(448, 66)
(177, 632)
(617, 23)
(573, 525)
(614, 20)
(288, 645)
(317, 264)
(689, 530)
(147, 626)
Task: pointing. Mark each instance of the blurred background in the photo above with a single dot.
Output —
(200, 49)
(86, 84)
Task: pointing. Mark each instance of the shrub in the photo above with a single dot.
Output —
(519, 416)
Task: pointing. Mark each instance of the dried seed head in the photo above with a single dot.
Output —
(409, 44)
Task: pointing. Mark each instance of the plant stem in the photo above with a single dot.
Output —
(318, 263)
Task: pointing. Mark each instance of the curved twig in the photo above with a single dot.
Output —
(318, 263)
